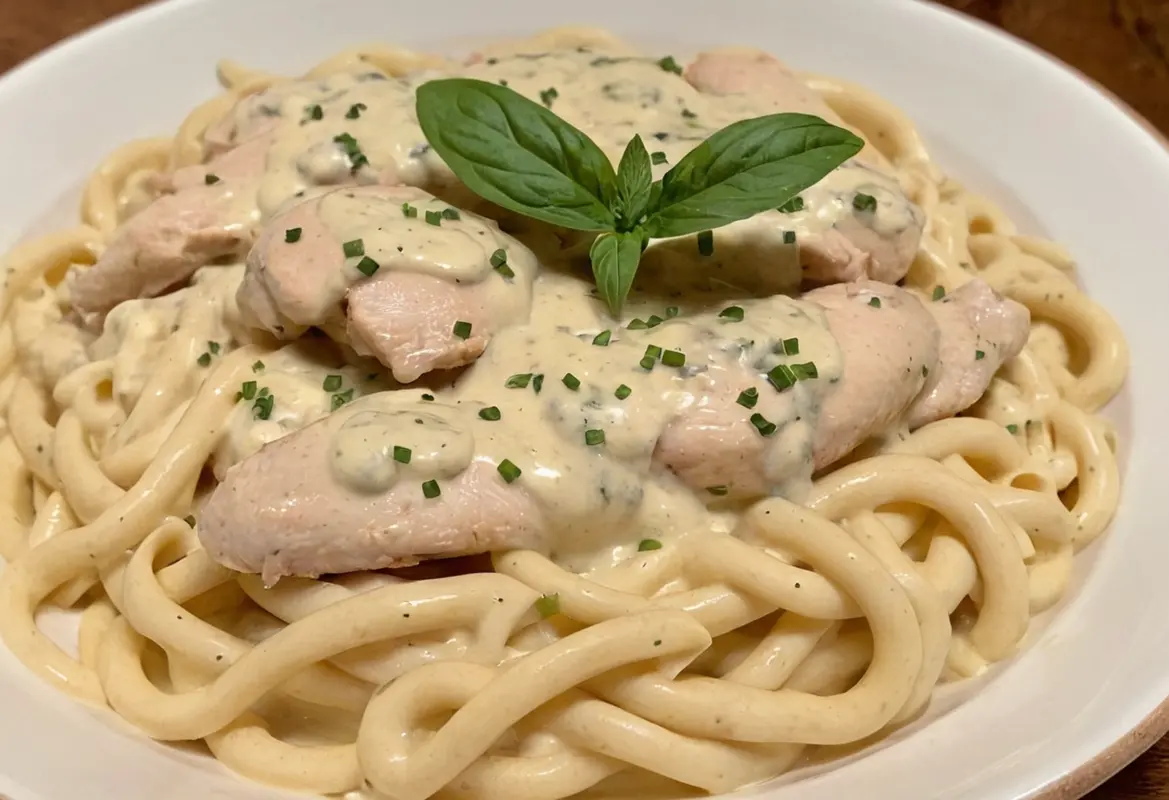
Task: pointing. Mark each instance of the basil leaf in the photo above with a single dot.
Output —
(634, 177)
(518, 154)
(746, 168)
(615, 257)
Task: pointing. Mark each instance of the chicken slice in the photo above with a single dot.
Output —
(335, 497)
(162, 245)
(423, 287)
(980, 331)
(857, 222)
(885, 338)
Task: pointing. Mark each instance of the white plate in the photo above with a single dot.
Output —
(1003, 117)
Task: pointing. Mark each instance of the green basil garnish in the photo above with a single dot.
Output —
(518, 154)
(747, 168)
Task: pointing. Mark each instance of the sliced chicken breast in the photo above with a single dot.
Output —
(331, 498)
(162, 245)
(887, 342)
(391, 271)
(980, 330)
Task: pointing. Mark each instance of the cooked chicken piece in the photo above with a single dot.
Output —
(885, 337)
(980, 330)
(161, 246)
(422, 294)
(332, 497)
(857, 222)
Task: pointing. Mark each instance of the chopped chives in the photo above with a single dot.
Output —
(762, 424)
(331, 383)
(257, 366)
(864, 202)
(647, 362)
(602, 338)
(313, 112)
(718, 491)
(434, 218)
(789, 237)
(518, 381)
(462, 329)
(1013, 428)
(210, 179)
(793, 205)
(450, 213)
(671, 312)
(875, 302)
(499, 258)
(431, 490)
(622, 392)
(409, 210)
(706, 243)
(355, 110)
(502, 268)
(733, 313)
(806, 371)
(748, 397)
(673, 358)
(263, 392)
(688, 114)
(341, 398)
(213, 347)
(594, 436)
(653, 351)
(190, 520)
(508, 471)
(548, 605)
(548, 95)
(248, 390)
(571, 381)
(925, 371)
(657, 157)
(781, 377)
(670, 65)
(648, 544)
(262, 407)
(791, 347)
(979, 355)
(292, 235)
(353, 248)
(939, 292)
(203, 360)
(402, 454)
(425, 396)
(638, 324)
(367, 266)
(653, 321)
(538, 382)
(491, 414)
(357, 159)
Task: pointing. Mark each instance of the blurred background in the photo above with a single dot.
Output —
(1121, 44)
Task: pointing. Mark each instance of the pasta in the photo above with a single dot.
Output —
(718, 659)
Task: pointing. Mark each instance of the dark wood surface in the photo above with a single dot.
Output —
(1122, 44)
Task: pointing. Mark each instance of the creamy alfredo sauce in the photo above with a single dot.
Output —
(579, 409)
(362, 128)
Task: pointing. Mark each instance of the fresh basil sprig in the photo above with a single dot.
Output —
(522, 157)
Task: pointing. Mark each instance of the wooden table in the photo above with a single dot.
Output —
(1123, 44)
